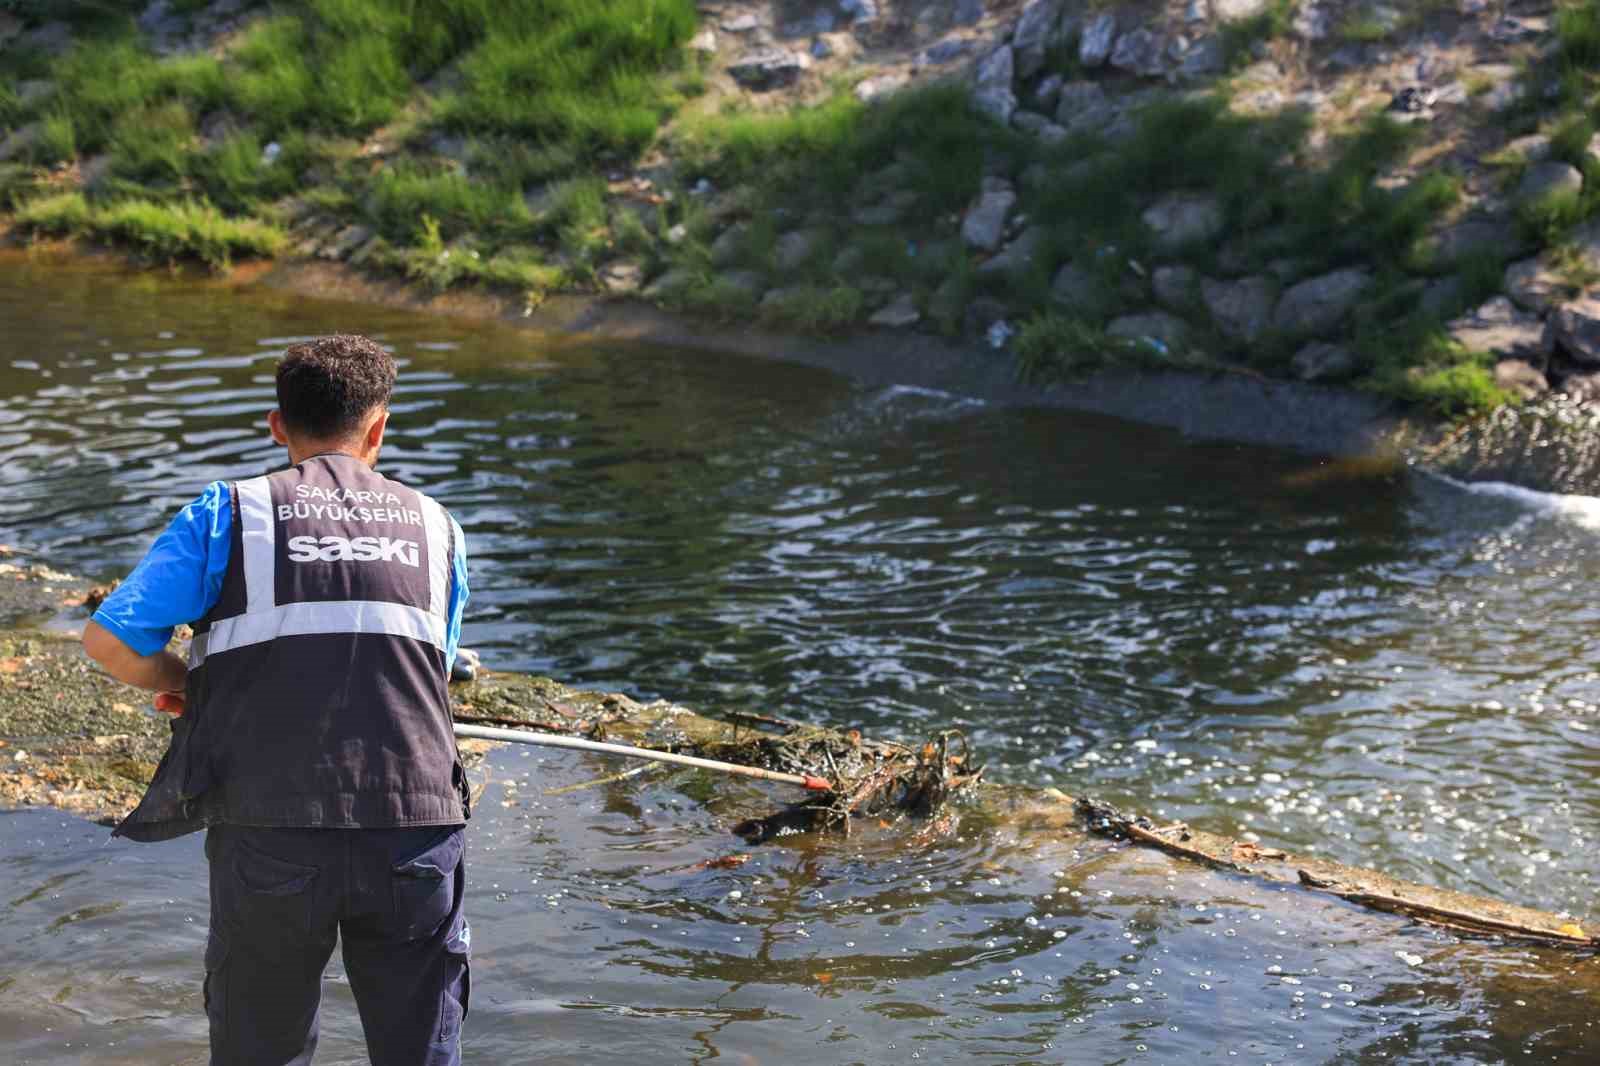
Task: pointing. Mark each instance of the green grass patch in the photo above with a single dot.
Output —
(816, 308)
(58, 139)
(401, 196)
(167, 232)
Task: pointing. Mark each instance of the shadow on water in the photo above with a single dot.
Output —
(1383, 669)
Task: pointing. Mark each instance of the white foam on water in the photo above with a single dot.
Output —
(1582, 511)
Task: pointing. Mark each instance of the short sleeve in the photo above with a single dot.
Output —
(178, 580)
(458, 594)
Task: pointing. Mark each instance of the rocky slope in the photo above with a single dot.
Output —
(1395, 196)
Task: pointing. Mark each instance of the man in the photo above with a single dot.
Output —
(312, 739)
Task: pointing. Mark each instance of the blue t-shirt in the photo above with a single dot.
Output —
(180, 578)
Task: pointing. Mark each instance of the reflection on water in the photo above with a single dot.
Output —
(1387, 669)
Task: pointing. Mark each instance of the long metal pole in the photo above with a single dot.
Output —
(555, 740)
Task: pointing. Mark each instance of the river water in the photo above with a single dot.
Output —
(1380, 667)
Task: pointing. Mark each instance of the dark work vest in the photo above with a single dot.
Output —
(317, 683)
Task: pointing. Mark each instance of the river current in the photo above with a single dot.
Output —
(1378, 666)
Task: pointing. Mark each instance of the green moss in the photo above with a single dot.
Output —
(64, 214)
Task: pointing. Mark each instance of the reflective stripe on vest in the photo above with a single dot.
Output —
(264, 619)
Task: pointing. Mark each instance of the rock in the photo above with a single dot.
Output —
(1048, 92)
(946, 50)
(1019, 255)
(1520, 378)
(1320, 361)
(871, 90)
(769, 68)
(1584, 388)
(670, 284)
(849, 262)
(740, 23)
(31, 92)
(877, 285)
(1203, 58)
(1039, 126)
(1158, 330)
(992, 94)
(1312, 22)
(1237, 10)
(1505, 90)
(345, 242)
(1095, 44)
(1139, 52)
(1242, 309)
(19, 142)
(1574, 329)
(1545, 180)
(622, 277)
(1498, 328)
(860, 11)
(1532, 284)
(92, 172)
(1318, 304)
(10, 26)
(52, 38)
(745, 285)
(998, 104)
(1074, 287)
(1443, 298)
(1174, 286)
(729, 245)
(1534, 148)
(704, 42)
(1182, 219)
(899, 313)
(1035, 29)
(967, 12)
(985, 222)
(795, 248)
(1470, 237)
(162, 25)
(1082, 106)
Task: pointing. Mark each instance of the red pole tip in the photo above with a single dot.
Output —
(817, 784)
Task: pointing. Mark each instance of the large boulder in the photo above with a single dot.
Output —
(796, 247)
(20, 141)
(729, 245)
(1074, 287)
(1097, 40)
(1183, 219)
(1139, 52)
(1035, 33)
(1174, 286)
(1545, 180)
(1019, 255)
(1321, 361)
(992, 94)
(1574, 329)
(1241, 309)
(1496, 235)
(985, 221)
(1083, 107)
(1499, 329)
(1319, 304)
(1534, 284)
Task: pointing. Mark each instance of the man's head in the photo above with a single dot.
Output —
(333, 395)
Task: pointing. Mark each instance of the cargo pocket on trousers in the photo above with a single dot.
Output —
(214, 991)
(276, 894)
(425, 887)
(457, 994)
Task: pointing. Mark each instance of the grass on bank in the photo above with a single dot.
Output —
(164, 232)
(543, 93)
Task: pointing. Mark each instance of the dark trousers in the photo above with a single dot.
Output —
(279, 896)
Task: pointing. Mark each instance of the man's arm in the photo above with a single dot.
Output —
(161, 671)
(177, 581)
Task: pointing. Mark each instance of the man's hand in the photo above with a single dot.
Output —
(162, 672)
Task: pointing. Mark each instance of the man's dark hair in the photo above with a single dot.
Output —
(327, 386)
